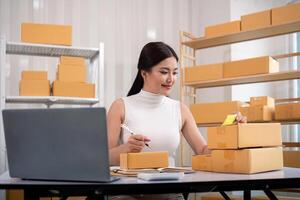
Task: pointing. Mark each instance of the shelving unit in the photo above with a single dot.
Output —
(189, 44)
(96, 64)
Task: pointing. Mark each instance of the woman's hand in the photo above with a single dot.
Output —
(240, 118)
(136, 143)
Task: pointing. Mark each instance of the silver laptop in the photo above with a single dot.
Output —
(68, 144)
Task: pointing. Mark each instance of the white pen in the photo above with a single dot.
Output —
(124, 126)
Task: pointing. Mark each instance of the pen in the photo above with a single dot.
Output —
(124, 126)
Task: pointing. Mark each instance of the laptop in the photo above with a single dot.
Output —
(63, 144)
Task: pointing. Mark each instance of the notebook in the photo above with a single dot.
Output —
(64, 144)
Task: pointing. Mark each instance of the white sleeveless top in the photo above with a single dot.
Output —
(157, 117)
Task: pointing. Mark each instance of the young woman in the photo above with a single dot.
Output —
(156, 119)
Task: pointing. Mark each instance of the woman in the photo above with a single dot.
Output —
(156, 119)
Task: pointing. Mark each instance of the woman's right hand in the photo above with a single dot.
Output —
(136, 143)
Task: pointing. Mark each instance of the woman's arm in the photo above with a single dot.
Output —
(135, 143)
(191, 133)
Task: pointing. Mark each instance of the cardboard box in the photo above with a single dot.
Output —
(252, 66)
(202, 112)
(223, 29)
(202, 162)
(258, 113)
(73, 73)
(203, 72)
(34, 75)
(71, 60)
(262, 101)
(144, 160)
(218, 196)
(73, 89)
(287, 111)
(256, 20)
(286, 14)
(244, 135)
(34, 88)
(247, 161)
(46, 34)
(291, 158)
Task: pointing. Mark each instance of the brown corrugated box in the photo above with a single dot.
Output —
(144, 160)
(46, 34)
(34, 88)
(262, 101)
(256, 20)
(73, 73)
(202, 162)
(202, 112)
(219, 197)
(287, 111)
(291, 158)
(71, 60)
(247, 161)
(73, 89)
(258, 113)
(34, 75)
(223, 29)
(286, 14)
(204, 72)
(244, 135)
(252, 66)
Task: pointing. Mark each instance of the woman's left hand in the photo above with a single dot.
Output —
(240, 118)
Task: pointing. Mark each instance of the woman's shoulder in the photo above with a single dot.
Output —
(117, 104)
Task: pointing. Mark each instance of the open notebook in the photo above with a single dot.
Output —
(116, 171)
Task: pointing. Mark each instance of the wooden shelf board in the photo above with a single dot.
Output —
(201, 43)
(278, 76)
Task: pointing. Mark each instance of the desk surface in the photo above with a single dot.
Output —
(195, 182)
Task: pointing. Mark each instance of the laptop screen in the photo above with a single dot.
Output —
(68, 144)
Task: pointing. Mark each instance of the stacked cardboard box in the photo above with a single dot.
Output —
(71, 79)
(287, 111)
(243, 148)
(245, 67)
(258, 20)
(34, 83)
(261, 109)
(202, 112)
(46, 34)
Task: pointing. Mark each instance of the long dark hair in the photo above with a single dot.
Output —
(151, 54)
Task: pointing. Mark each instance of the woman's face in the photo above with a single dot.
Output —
(162, 77)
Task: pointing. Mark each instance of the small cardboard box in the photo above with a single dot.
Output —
(202, 162)
(34, 88)
(256, 20)
(202, 112)
(286, 14)
(46, 34)
(223, 29)
(73, 89)
(144, 160)
(244, 135)
(219, 197)
(291, 158)
(262, 101)
(203, 72)
(252, 66)
(71, 60)
(258, 113)
(287, 111)
(73, 73)
(247, 161)
(34, 75)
